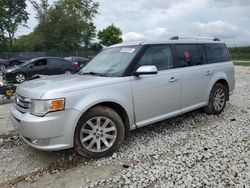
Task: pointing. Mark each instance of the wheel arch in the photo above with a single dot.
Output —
(220, 77)
(118, 108)
(225, 83)
(19, 72)
(3, 64)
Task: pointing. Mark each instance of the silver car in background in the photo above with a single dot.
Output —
(126, 86)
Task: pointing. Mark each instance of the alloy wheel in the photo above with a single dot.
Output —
(219, 99)
(98, 134)
(20, 78)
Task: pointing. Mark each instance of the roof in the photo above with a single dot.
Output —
(47, 57)
(200, 40)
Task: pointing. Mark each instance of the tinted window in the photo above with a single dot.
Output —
(42, 62)
(190, 55)
(160, 56)
(216, 53)
(56, 62)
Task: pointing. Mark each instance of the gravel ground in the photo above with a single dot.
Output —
(192, 150)
(4, 119)
(4, 115)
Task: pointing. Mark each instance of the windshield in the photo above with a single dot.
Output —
(26, 63)
(110, 62)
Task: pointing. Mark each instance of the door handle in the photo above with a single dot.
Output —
(173, 79)
(209, 73)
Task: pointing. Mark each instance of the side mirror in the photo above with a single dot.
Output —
(31, 66)
(145, 70)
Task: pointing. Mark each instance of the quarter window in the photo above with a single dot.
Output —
(190, 55)
(159, 56)
(216, 53)
(56, 62)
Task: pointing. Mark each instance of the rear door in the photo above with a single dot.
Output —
(219, 63)
(156, 97)
(56, 66)
(191, 60)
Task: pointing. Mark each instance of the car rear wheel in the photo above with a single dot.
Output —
(217, 99)
(67, 72)
(2, 67)
(99, 133)
(20, 78)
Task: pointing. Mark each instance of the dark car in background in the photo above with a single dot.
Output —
(25, 56)
(42, 65)
(3, 64)
(80, 60)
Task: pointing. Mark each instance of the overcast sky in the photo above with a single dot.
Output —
(161, 19)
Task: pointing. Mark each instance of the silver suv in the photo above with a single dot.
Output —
(126, 86)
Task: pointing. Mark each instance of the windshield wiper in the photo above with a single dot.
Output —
(92, 73)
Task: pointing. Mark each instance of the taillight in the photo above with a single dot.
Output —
(75, 65)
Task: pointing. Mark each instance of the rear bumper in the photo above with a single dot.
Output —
(55, 131)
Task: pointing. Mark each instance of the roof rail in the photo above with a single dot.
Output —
(196, 38)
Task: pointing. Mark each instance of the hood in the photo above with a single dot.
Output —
(35, 89)
(11, 69)
(3, 60)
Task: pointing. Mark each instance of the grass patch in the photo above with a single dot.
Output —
(242, 63)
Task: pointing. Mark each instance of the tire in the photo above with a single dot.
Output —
(19, 78)
(67, 72)
(14, 63)
(1, 99)
(217, 99)
(110, 134)
(2, 67)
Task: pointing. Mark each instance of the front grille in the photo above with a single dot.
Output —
(22, 104)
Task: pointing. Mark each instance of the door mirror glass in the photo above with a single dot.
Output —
(146, 69)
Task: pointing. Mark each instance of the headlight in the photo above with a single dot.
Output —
(42, 107)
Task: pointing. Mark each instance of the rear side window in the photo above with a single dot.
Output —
(159, 56)
(217, 53)
(190, 55)
(56, 62)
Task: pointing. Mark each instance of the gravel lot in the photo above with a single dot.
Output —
(192, 150)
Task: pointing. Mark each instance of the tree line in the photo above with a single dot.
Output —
(240, 53)
(66, 25)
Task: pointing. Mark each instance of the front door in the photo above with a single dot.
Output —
(38, 67)
(156, 97)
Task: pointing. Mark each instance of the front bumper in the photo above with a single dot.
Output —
(55, 131)
(7, 78)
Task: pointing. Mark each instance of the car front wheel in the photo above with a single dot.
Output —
(99, 133)
(20, 78)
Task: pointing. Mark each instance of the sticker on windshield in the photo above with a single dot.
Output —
(127, 50)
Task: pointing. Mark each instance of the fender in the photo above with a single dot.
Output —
(82, 101)
(217, 76)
